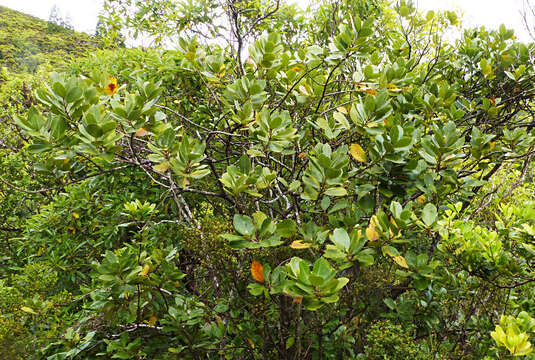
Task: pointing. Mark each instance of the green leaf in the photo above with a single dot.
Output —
(94, 130)
(341, 238)
(243, 225)
(289, 342)
(39, 147)
(73, 94)
(286, 228)
(339, 191)
(429, 214)
(390, 303)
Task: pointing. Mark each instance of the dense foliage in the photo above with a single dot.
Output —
(340, 183)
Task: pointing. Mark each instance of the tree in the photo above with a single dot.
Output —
(58, 22)
(295, 193)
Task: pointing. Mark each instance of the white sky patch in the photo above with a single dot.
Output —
(490, 13)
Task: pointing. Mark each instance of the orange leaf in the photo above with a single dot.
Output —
(111, 88)
(257, 271)
(295, 299)
(250, 62)
(141, 132)
(152, 320)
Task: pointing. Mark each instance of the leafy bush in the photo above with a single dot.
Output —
(351, 185)
(388, 341)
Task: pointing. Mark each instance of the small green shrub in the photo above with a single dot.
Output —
(388, 341)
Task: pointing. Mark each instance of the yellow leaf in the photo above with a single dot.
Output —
(141, 132)
(371, 233)
(492, 144)
(421, 199)
(357, 152)
(251, 342)
(72, 228)
(400, 260)
(28, 310)
(161, 167)
(75, 215)
(145, 270)
(152, 319)
(257, 271)
(342, 109)
(304, 90)
(185, 182)
(298, 244)
(190, 55)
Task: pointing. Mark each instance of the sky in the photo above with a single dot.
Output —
(491, 13)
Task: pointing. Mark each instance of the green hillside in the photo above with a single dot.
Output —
(27, 41)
